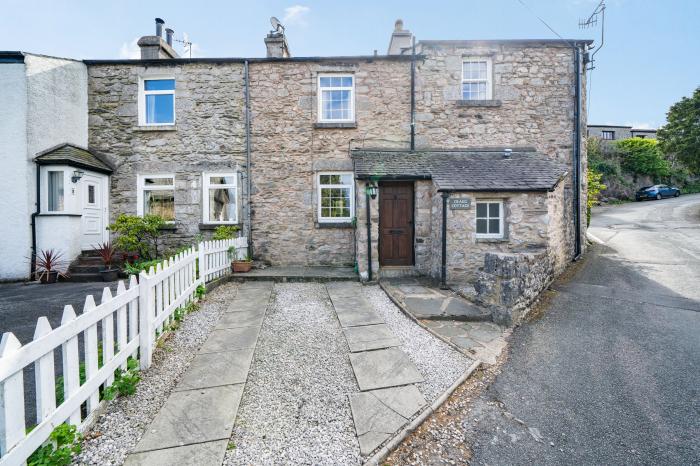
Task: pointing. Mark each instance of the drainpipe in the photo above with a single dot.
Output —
(413, 95)
(577, 152)
(246, 79)
(443, 268)
(37, 210)
(369, 236)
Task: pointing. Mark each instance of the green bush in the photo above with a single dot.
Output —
(643, 157)
(124, 381)
(225, 232)
(64, 443)
(138, 234)
(681, 135)
(136, 267)
(595, 186)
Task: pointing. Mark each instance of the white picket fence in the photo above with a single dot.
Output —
(140, 313)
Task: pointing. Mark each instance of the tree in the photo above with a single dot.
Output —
(681, 135)
(642, 157)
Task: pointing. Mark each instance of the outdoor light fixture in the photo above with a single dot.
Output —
(77, 174)
(371, 189)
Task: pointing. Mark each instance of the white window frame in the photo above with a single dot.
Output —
(206, 185)
(319, 186)
(605, 132)
(501, 216)
(142, 99)
(49, 170)
(319, 94)
(141, 189)
(489, 76)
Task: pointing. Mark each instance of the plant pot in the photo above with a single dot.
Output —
(48, 277)
(109, 275)
(241, 266)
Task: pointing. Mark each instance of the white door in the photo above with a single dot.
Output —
(94, 199)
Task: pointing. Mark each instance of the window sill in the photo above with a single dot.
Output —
(155, 128)
(492, 240)
(322, 225)
(479, 103)
(214, 226)
(339, 125)
(58, 214)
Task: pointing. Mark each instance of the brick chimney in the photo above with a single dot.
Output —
(154, 47)
(276, 44)
(401, 40)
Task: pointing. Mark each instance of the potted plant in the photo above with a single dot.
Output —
(47, 264)
(107, 253)
(239, 265)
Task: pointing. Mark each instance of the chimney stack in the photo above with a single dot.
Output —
(401, 40)
(169, 36)
(276, 44)
(159, 27)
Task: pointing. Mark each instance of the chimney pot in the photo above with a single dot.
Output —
(159, 27)
(169, 36)
(401, 39)
(398, 25)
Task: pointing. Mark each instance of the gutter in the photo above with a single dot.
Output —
(248, 157)
(443, 266)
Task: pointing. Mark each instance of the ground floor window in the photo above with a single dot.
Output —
(157, 196)
(56, 195)
(335, 197)
(489, 219)
(220, 197)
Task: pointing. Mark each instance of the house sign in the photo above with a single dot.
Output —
(460, 203)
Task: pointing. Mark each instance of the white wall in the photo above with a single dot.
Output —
(15, 232)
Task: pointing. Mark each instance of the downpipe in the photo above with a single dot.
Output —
(443, 266)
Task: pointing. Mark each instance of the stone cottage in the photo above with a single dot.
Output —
(421, 161)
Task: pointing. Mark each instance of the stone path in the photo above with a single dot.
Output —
(462, 323)
(207, 397)
(385, 374)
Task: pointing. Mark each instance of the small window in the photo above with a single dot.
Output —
(158, 102)
(220, 198)
(56, 196)
(476, 79)
(489, 219)
(336, 98)
(335, 196)
(91, 194)
(641, 136)
(609, 135)
(157, 196)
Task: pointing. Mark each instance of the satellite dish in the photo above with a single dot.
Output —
(276, 25)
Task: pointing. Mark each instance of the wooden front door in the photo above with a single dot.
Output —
(396, 224)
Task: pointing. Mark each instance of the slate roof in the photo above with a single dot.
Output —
(68, 154)
(463, 170)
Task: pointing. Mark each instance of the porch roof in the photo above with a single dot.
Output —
(463, 170)
(74, 156)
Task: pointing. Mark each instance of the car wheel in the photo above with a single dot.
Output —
(658, 197)
(678, 193)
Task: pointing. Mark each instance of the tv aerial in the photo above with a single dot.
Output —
(592, 21)
(277, 26)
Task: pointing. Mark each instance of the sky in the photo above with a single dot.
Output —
(650, 59)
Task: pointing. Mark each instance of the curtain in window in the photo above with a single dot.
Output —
(56, 200)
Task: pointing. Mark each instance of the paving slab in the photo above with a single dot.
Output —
(406, 400)
(230, 339)
(369, 337)
(252, 318)
(383, 368)
(374, 421)
(215, 369)
(193, 416)
(207, 453)
(358, 317)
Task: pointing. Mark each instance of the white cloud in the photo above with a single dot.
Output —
(295, 15)
(130, 49)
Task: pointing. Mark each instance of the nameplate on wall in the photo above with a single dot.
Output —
(460, 203)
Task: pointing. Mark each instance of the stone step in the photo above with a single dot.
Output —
(83, 268)
(398, 271)
(85, 277)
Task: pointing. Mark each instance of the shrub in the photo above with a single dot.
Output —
(643, 157)
(138, 234)
(64, 442)
(124, 381)
(595, 186)
(225, 232)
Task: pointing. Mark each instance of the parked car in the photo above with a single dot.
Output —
(658, 191)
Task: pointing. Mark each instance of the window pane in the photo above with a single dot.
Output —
(494, 226)
(335, 202)
(91, 194)
(161, 203)
(347, 81)
(335, 105)
(159, 84)
(481, 225)
(158, 181)
(222, 205)
(227, 179)
(56, 191)
(494, 210)
(481, 209)
(160, 108)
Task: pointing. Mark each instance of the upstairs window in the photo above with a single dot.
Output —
(157, 196)
(609, 135)
(489, 219)
(336, 98)
(335, 197)
(476, 78)
(157, 102)
(55, 189)
(220, 198)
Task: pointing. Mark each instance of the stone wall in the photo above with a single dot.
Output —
(209, 135)
(289, 149)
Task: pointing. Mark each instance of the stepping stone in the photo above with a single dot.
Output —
(369, 337)
(383, 368)
(406, 400)
(207, 453)
(374, 421)
(230, 339)
(214, 369)
(241, 319)
(358, 317)
(193, 416)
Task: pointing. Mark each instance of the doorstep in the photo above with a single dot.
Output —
(298, 273)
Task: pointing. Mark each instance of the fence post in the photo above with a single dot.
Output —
(11, 399)
(145, 321)
(202, 263)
